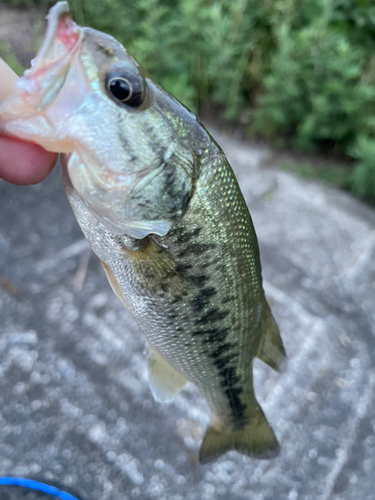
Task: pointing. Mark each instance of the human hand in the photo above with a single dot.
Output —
(21, 162)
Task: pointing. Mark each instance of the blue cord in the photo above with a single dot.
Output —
(36, 485)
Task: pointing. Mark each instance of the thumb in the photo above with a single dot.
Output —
(21, 162)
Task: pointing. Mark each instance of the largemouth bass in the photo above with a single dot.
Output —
(158, 201)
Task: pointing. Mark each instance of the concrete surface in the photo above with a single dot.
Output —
(75, 407)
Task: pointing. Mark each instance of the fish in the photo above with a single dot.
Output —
(159, 203)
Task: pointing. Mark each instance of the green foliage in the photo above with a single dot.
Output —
(299, 72)
(8, 56)
(200, 50)
(314, 92)
(30, 4)
(363, 176)
(320, 90)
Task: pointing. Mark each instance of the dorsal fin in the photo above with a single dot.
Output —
(271, 349)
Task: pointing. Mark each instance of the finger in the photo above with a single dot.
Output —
(21, 163)
(24, 163)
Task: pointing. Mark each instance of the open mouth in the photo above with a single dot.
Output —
(62, 37)
(39, 85)
(51, 88)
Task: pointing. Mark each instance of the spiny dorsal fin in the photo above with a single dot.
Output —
(271, 349)
(255, 439)
(165, 381)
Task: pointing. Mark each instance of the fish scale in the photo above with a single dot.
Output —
(234, 252)
(241, 321)
(158, 201)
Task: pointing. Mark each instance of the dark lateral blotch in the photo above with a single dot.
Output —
(199, 280)
(203, 298)
(213, 334)
(212, 316)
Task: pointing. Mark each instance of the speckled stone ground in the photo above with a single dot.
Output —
(75, 407)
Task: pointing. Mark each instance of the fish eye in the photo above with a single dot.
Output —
(126, 89)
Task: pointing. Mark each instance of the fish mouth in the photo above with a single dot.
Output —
(40, 85)
(25, 113)
(62, 29)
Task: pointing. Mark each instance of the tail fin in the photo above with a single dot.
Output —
(255, 439)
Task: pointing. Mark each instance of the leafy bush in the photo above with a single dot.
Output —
(320, 90)
(8, 56)
(363, 176)
(299, 72)
(200, 50)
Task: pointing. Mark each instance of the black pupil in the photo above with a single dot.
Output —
(120, 89)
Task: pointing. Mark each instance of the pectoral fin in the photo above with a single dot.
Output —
(114, 285)
(255, 439)
(157, 270)
(271, 349)
(154, 268)
(165, 381)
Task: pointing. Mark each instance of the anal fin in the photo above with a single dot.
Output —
(165, 381)
(255, 439)
(271, 349)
